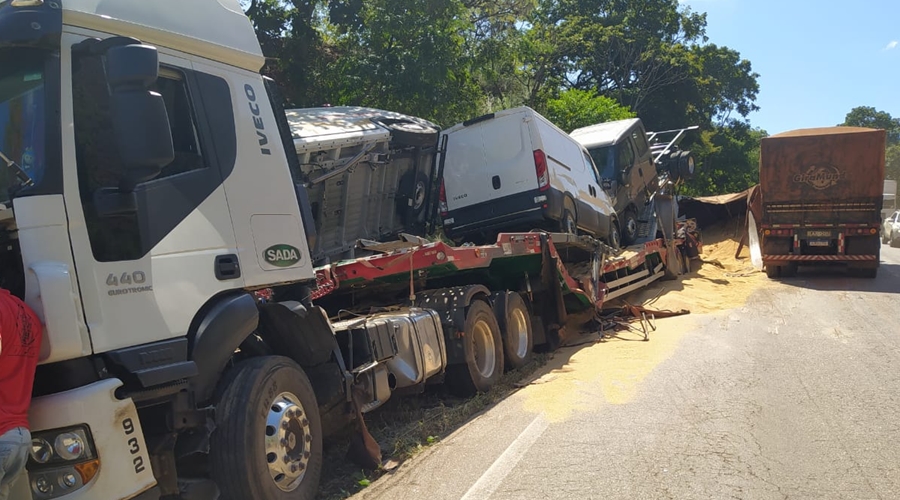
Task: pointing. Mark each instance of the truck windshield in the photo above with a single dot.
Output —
(21, 120)
(605, 160)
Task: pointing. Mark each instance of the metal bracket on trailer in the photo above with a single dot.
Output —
(451, 304)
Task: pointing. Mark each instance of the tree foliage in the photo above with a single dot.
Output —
(579, 108)
(577, 61)
(867, 116)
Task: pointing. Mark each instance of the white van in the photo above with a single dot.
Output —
(515, 171)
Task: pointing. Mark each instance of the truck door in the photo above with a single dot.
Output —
(601, 203)
(644, 173)
(148, 260)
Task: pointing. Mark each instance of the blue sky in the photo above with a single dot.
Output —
(816, 59)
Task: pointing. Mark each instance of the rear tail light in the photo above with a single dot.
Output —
(778, 232)
(540, 168)
(442, 200)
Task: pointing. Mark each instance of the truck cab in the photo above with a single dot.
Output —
(622, 155)
(147, 199)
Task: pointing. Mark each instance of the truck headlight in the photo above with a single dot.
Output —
(62, 461)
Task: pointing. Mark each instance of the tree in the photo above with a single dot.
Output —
(730, 159)
(579, 108)
(867, 116)
(650, 55)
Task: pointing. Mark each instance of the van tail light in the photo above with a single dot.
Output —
(540, 168)
(442, 200)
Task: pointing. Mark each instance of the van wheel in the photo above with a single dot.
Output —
(630, 229)
(686, 165)
(615, 235)
(568, 224)
(268, 437)
(411, 194)
(483, 347)
(515, 328)
(411, 131)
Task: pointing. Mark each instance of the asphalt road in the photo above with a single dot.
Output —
(795, 394)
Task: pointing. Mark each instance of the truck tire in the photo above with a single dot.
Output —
(773, 271)
(411, 131)
(483, 348)
(865, 272)
(268, 437)
(789, 270)
(514, 321)
(629, 226)
(686, 165)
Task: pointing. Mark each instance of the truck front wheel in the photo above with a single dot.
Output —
(268, 437)
(483, 350)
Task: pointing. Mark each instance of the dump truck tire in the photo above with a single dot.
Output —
(514, 320)
(483, 347)
(268, 437)
(772, 271)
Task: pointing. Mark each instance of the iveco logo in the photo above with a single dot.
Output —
(281, 255)
(821, 177)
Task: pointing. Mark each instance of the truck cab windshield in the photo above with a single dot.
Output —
(21, 120)
(604, 158)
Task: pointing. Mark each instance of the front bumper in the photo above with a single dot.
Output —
(118, 441)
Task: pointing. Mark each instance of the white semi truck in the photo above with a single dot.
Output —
(154, 213)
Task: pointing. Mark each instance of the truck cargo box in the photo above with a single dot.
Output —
(822, 175)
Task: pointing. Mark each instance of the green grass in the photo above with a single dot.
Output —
(406, 426)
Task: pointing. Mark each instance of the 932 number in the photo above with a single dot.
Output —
(134, 447)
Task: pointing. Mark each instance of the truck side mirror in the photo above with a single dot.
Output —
(139, 117)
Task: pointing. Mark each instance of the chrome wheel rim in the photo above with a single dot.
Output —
(520, 330)
(288, 441)
(483, 342)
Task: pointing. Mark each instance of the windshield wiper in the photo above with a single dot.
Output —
(25, 180)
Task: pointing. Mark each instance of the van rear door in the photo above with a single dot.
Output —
(488, 160)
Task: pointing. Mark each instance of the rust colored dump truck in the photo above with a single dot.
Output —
(821, 199)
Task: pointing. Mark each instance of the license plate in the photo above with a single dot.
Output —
(819, 243)
(818, 234)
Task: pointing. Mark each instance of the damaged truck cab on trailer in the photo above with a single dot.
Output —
(147, 201)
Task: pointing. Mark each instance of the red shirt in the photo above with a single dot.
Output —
(20, 347)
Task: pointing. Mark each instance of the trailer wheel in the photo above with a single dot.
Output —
(483, 347)
(514, 320)
(773, 271)
(866, 272)
(789, 270)
(268, 437)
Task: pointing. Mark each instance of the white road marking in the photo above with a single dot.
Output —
(507, 461)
